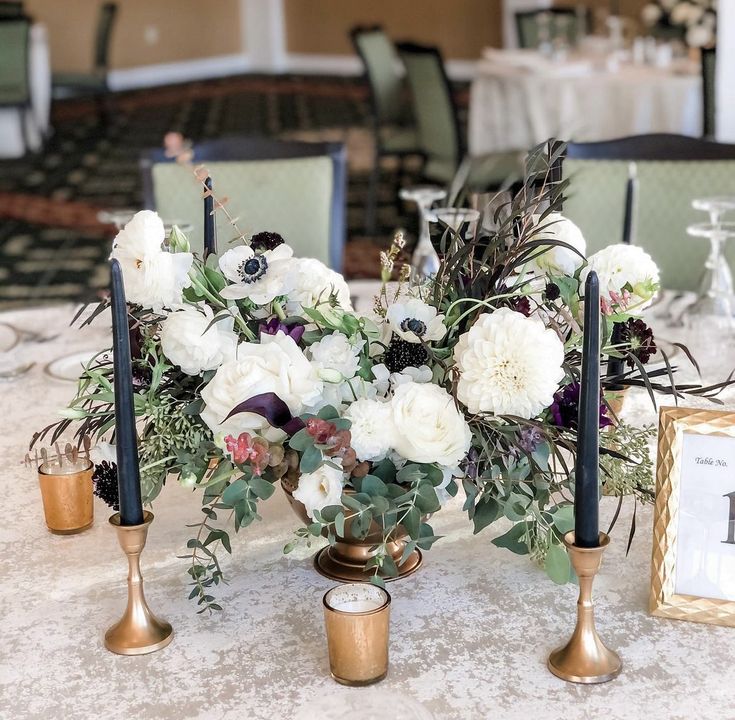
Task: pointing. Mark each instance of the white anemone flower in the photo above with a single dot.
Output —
(509, 365)
(416, 321)
(260, 277)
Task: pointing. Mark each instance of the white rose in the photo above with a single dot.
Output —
(335, 358)
(154, 278)
(414, 321)
(623, 268)
(260, 277)
(428, 426)
(312, 283)
(191, 341)
(559, 260)
(277, 365)
(320, 489)
(371, 428)
(509, 365)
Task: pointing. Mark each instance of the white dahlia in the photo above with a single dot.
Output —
(509, 365)
(628, 276)
(415, 321)
(371, 428)
(557, 260)
(261, 277)
(320, 489)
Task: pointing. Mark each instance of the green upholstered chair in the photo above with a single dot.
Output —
(709, 63)
(293, 188)
(438, 125)
(14, 83)
(392, 112)
(67, 85)
(527, 25)
(672, 171)
(11, 11)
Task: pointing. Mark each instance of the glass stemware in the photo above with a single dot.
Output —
(424, 261)
(461, 221)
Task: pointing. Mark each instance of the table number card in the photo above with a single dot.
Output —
(694, 524)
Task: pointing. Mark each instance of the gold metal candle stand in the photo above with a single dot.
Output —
(139, 631)
(585, 659)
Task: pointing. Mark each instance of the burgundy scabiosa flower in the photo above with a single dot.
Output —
(565, 408)
(262, 241)
(639, 337)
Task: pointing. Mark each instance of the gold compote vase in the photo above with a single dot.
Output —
(345, 560)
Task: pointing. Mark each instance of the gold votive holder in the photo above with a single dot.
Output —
(357, 619)
(139, 631)
(66, 492)
(585, 658)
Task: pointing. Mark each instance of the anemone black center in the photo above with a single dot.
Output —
(417, 327)
(253, 269)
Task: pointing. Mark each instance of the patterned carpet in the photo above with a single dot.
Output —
(52, 246)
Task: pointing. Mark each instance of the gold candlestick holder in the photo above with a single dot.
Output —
(585, 658)
(139, 631)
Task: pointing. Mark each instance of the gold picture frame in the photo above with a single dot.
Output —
(674, 424)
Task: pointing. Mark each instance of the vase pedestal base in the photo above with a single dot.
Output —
(330, 563)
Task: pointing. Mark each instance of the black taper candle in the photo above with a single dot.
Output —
(616, 366)
(586, 481)
(210, 230)
(631, 205)
(126, 443)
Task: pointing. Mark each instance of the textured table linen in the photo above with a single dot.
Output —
(471, 630)
(512, 109)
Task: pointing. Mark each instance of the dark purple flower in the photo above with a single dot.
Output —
(522, 305)
(529, 439)
(104, 479)
(274, 326)
(639, 337)
(565, 408)
(552, 291)
(262, 241)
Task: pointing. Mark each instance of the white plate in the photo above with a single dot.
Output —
(69, 367)
(8, 337)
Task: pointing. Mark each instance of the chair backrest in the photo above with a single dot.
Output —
(105, 23)
(10, 10)
(433, 102)
(293, 188)
(379, 57)
(709, 63)
(14, 85)
(559, 18)
(672, 171)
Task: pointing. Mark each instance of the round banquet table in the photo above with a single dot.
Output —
(470, 632)
(36, 119)
(516, 108)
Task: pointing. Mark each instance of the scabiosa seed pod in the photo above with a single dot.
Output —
(104, 479)
(402, 354)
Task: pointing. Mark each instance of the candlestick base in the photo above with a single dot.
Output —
(585, 658)
(139, 631)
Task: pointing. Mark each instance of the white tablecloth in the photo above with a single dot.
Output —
(37, 119)
(470, 632)
(515, 110)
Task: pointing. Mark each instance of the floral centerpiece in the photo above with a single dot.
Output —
(694, 21)
(252, 369)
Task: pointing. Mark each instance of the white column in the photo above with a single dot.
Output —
(264, 34)
(510, 8)
(725, 88)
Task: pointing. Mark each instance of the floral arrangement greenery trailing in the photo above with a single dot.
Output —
(252, 368)
(695, 21)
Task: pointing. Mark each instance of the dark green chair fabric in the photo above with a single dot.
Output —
(393, 120)
(672, 171)
(566, 19)
(67, 85)
(14, 83)
(438, 126)
(709, 63)
(296, 189)
(11, 11)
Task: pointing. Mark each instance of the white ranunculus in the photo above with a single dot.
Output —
(320, 489)
(335, 358)
(312, 283)
(260, 277)
(509, 365)
(559, 260)
(154, 278)
(277, 365)
(624, 267)
(428, 426)
(700, 36)
(191, 341)
(385, 380)
(414, 321)
(371, 428)
(651, 13)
